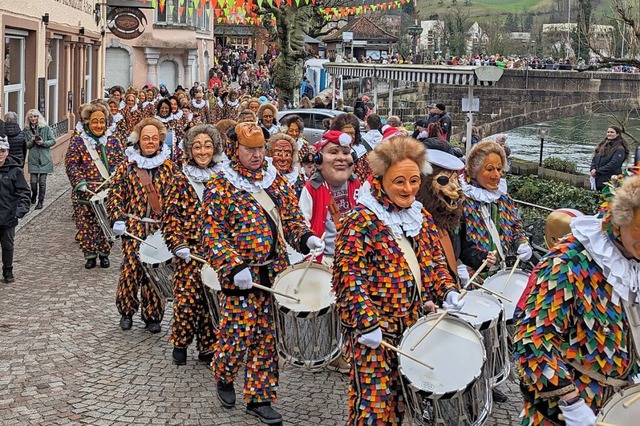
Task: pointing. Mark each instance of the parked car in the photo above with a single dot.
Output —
(312, 119)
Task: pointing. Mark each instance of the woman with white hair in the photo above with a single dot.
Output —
(40, 139)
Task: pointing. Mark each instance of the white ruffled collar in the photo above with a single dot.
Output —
(233, 103)
(244, 184)
(292, 176)
(117, 117)
(148, 163)
(177, 115)
(146, 104)
(483, 195)
(79, 127)
(197, 104)
(220, 104)
(623, 274)
(102, 140)
(165, 120)
(200, 175)
(407, 221)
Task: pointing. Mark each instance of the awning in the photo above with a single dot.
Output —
(436, 74)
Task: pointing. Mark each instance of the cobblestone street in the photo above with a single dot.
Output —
(64, 359)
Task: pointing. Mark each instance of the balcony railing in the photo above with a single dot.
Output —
(60, 128)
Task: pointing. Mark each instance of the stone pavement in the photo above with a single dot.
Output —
(64, 359)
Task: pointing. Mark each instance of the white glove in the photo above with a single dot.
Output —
(524, 252)
(635, 379)
(578, 414)
(82, 188)
(463, 274)
(243, 279)
(452, 302)
(372, 339)
(119, 227)
(184, 253)
(315, 244)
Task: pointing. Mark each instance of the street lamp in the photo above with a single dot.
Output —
(414, 31)
(542, 131)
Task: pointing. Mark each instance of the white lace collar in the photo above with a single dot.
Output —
(102, 140)
(200, 175)
(623, 274)
(233, 103)
(79, 127)
(197, 104)
(134, 108)
(292, 176)
(147, 163)
(177, 115)
(165, 120)
(220, 104)
(408, 220)
(117, 117)
(483, 195)
(245, 184)
(146, 104)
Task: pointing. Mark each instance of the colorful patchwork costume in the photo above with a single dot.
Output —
(375, 288)
(238, 234)
(181, 227)
(129, 202)
(82, 170)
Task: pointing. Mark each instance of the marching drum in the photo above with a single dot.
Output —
(99, 205)
(456, 391)
(489, 321)
(513, 291)
(308, 332)
(157, 265)
(211, 288)
(622, 409)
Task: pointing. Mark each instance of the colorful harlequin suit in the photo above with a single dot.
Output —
(238, 233)
(505, 215)
(127, 198)
(570, 323)
(130, 117)
(81, 169)
(375, 288)
(201, 109)
(181, 227)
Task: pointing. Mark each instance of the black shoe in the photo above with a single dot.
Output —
(226, 394)
(8, 278)
(206, 357)
(34, 198)
(499, 396)
(39, 205)
(153, 327)
(126, 323)
(265, 413)
(104, 262)
(180, 356)
(90, 263)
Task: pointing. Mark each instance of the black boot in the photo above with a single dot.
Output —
(153, 327)
(7, 274)
(104, 261)
(265, 413)
(226, 394)
(180, 356)
(34, 196)
(90, 263)
(126, 322)
(206, 357)
(39, 205)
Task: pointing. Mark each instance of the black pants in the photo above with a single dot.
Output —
(38, 180)
(7, 236)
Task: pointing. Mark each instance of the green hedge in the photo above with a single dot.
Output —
(555, 163)
(552, 194)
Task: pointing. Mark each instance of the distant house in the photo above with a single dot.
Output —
(477, 40)
(369, 40)
(562, 37)
(312, 45)
(431, 39)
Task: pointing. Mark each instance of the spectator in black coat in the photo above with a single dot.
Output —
(17, 138)
(609, 156)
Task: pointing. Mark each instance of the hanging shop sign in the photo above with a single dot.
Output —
(126, 22)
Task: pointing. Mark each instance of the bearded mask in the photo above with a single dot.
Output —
(282, 154)
(446, 188)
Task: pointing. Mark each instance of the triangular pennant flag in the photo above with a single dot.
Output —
(171, 9)
(180, 10)
(374, 7)
(298, 3)
(196, 3)
(153, 4)
(213, 3)
(208, 13)
(181, 2)
(278, 3)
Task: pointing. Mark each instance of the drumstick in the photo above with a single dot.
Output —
(401, 352)
(631, 401)
(306, 268)
(258, 286)
(515, 265)
(495, 293)
(91, 192)
(140, 240)
(475, 275)
(467, 314)
(604, 424)
(436, 322)
(103, 182)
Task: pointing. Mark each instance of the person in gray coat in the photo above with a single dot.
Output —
(40, 139)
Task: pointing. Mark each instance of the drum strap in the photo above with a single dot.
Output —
(611, 381)
(270, 208)
(412, 260)
(150, 189)
(493, 231)
(97, 160)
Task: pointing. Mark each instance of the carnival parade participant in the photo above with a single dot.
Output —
(349, 124)
(138, 190)
(267, 120)
(293, 126)
(181, 229)
(92, 157)
(379, 293)
(574, 345)
(283, 151)
(249, 208)
(200, 106)
(131, 114)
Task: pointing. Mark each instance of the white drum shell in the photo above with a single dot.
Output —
(614, 413)
(157, 264)
(513, 290)
(99, 206)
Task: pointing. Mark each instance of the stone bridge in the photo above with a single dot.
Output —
(519, 98)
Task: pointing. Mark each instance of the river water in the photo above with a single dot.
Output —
(571, 139)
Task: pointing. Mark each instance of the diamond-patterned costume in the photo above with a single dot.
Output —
(81, 169)
(375, 288)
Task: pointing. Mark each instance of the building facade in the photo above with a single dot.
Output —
(177, 47)
(52, 60)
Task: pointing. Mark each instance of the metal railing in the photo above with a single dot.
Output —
(60, 128)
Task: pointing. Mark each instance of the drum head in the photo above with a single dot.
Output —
(210, 277)
(160, 254)
(454, 349)
(485, 307)
(615, 413)
(513, 291)
(315, 293)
